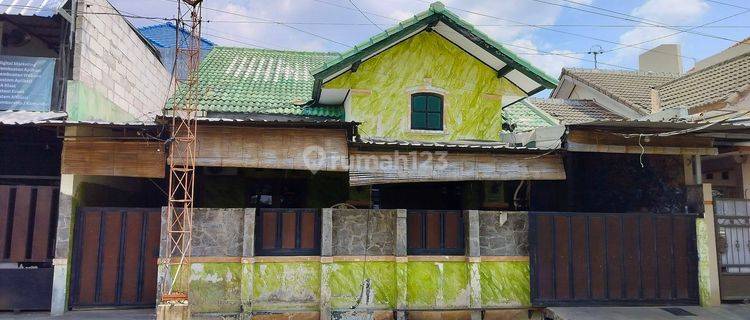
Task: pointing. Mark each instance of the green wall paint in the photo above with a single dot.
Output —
(230, 288)
(437, 284)
(84, 103)
(704, 277)
(281, 285)
(424, 62)
(215, 287)
(346, 278)
(505, 284)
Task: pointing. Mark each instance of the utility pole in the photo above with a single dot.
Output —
(184, 108)
(596, 50)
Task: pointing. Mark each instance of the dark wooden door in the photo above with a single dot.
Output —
(116, 254)
(623, 259)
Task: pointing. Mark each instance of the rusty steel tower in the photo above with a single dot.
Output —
(183, 112)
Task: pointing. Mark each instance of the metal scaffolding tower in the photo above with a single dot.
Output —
(184, 109)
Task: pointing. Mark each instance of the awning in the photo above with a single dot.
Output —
(11, 117)
(41, 8)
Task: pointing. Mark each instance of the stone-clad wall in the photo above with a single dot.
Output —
(217, 232)
(350, 236)
(503, 233)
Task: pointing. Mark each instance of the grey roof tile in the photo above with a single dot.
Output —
(632, 88)
(708, 85)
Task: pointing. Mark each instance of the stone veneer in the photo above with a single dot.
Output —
(503, 238)
(218, 232)
(350, 236)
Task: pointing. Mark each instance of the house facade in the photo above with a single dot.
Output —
(87, 73)
(375, 183)
(390, 232)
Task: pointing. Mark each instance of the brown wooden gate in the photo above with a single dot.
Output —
(28, 216)
(116, 252)
(612, 259)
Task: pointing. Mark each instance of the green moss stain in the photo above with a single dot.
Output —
(704, 277)
(426, 62)
(437, 285)
(281, 285)
(505, 283)
(215, 287)
(346, 278)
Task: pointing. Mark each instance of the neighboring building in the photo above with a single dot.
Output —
(165, 38)
(532, 113)
(625, 93)
(69, 71)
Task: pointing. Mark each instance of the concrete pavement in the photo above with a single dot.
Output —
(723, 312)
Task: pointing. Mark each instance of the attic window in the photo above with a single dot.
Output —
(427, 111)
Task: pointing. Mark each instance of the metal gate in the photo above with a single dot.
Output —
(612, 259)
(733, 245)
(116, 252)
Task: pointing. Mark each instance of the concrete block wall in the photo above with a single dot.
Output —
(369, 271)
(112, 60)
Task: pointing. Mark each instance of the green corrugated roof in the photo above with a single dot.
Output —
(261, 81)
(437, 11)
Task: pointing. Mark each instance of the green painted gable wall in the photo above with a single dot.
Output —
(383, 85)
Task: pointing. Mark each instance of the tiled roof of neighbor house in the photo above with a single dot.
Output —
(261, 81)
(572, 111)
(631, 88)
(708, 85)
(436, 12)
(534, 112)
(525, 117)
(164, 35)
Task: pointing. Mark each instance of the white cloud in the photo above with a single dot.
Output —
(667, 12)
(550, 61)
(281, 37)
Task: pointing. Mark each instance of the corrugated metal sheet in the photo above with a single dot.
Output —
(28, 117)
(43, 8)
(474, 145)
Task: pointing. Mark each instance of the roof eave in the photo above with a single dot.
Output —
(480, 39)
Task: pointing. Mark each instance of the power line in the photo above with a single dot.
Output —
(627, 17)
(563, 32)
(352, 9)
(364, 15)
(728, 4)
(679, 32)
(275, 22)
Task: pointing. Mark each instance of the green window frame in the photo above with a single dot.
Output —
(427, 111)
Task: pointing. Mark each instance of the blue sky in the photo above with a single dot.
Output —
(532, 28)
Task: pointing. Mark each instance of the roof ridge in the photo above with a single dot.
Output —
(275, 50)
(437, 12)
(616, 71)
(559, 99)
(706, 69)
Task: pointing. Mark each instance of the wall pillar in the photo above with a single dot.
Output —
(473, 257)
(401, 264)
(326, 258)
(63, 252)
(708, 265)
(248, 251)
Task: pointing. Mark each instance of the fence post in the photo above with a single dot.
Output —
(401, 264)
(248, 251)
(708, 267)
(326, 258)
